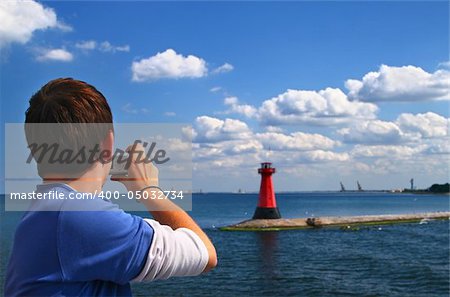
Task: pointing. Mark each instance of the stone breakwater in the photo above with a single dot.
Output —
(341, 221)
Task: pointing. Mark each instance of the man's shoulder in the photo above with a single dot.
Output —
(72, 200)
(91, 219)
(97, 216)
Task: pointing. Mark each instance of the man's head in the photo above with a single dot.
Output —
(75, 115)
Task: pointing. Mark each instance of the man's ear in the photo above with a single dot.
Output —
(107, 145)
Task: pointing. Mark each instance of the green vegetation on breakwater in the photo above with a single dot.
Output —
(434, 189)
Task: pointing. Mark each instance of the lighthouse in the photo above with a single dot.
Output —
(267, 205)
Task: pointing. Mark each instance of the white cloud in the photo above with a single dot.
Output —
(422, 158)
(407, 83)
(439, 147)
(295, 141)
(177, 145)
(329, 106)
(215, 89)
(372, 132)
(229, 153)
(170, 114)
(236, 150)
(445, 65)
(63, 26)
(20, 19)
(234, 147)
(247, 153)
(406, 128)
(230, 100)
(235, 107)
(104, 46)
(223, 69)
(188, 133)
(58, 54)
(86, 45)
(213, 131)
(222, 143)
(426, 124)
(128, 108)
(391, 151)
(209, 129)
(324, 156)
(273, 129)
(168, 64)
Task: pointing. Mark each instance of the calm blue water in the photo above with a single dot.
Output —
(397, 260)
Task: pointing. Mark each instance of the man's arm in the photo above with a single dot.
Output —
(178, 218)
(142, 175)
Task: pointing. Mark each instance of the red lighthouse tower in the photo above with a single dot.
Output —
(267, 205)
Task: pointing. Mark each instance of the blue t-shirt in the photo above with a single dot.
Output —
(76, 253)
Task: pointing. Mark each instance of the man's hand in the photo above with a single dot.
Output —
(140, 173)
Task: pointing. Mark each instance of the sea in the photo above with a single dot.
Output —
(390, 260)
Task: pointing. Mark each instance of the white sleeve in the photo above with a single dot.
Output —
(177, 252)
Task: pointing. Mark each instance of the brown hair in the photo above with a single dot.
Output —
(66, 100)
(77, 105)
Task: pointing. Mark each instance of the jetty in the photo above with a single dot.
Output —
(341, 221)
(267, 217)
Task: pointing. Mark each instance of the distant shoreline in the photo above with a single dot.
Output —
(324, 191)
(435, 189)
(421, 192)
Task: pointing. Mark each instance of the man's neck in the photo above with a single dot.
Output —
(89, 182)
(86, 185)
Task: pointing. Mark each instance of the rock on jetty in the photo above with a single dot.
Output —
(344, 221)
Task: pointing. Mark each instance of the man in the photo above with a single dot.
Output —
(97, 252)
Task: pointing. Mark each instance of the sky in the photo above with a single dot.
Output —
(328, 91)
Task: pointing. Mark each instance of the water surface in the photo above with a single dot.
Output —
(396, 260)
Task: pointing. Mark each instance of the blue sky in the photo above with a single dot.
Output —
(382, 130)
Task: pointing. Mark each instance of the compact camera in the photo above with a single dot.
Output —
(119, 164)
